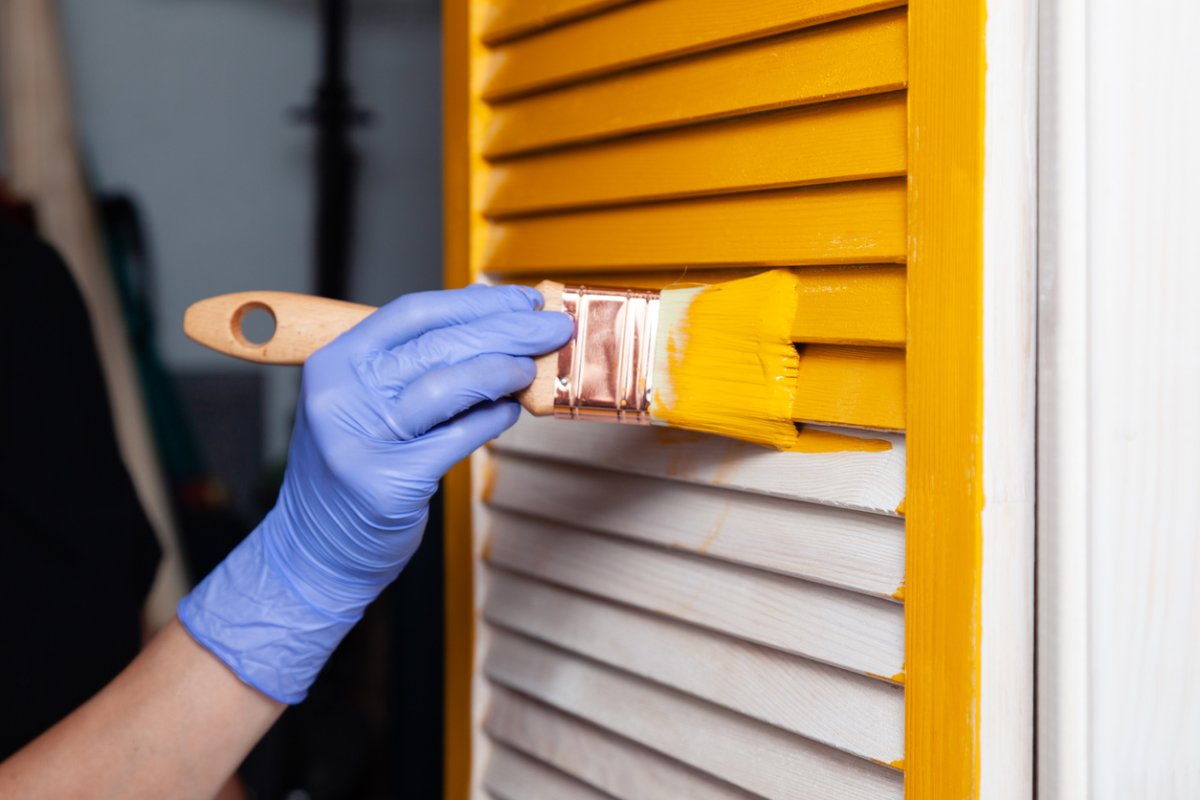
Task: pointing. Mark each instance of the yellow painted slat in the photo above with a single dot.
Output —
(644, 33)
(854, 57)
(847, 223)
(846, 140)
(851, 305)
(507, 19)
(944, 558)
(854, 305)
(858, 386)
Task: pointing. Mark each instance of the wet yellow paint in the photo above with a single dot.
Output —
(945, 414)
(859, 386)
(810, 441)
(725, 363)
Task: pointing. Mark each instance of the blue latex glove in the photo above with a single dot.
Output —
(385, 410)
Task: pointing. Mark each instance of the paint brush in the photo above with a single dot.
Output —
(714, 358)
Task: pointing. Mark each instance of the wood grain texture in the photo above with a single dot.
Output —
(1064, 441)
(848, 223)
(511, 775)
(852, 550)
(845, 140)
(858, 56)
(858, 633)
(860, 386)
(859, 715)
(610, 763)
(1010, 253)
(303, 324)
(756, 757)
(507, 19)
(1143, 430)
(644, 33)
(945, 362)
(851, 305)
(869, 481)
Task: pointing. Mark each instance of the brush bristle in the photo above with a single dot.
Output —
(724, 360)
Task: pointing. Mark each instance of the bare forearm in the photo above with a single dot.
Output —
(175, 723)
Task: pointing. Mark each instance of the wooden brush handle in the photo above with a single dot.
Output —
(304, 324)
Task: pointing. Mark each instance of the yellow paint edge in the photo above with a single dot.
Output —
(945, 312)
(456, 486)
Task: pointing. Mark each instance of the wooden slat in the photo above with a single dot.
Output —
(862, 386)
(601, 759)
(643, 33)
(845, 140)
(870, 481)
(507, 19)
(848, 549)
(862, 716)
(857, 222)
(855, 57)
(854, 305)
(511, 775)
(757, 757)
(860, 633)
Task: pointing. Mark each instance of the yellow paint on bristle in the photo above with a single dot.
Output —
(725, 362)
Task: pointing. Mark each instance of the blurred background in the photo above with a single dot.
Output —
(228, 145)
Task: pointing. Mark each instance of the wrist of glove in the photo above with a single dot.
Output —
(385, 410)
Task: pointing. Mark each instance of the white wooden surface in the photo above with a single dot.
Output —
(841, 628)
(1140, 379)
(1063, 446)
(859, 551)
(867, 481)
(757, 757)
(1006, 719)
(860, 715)
(511, 775)
(601, 759)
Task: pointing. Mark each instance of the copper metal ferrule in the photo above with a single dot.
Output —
(606, 372)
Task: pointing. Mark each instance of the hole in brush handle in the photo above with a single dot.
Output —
(253, 324)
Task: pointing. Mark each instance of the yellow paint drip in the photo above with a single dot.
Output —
(810, 441)
(725, 362)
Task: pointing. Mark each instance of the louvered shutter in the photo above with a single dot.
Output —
(664, 614)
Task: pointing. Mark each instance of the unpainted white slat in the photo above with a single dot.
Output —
(511, 775)
(863, 716)
(850, 549)
(603, 760)
(753, 755)
(853, 631)
(852, 479)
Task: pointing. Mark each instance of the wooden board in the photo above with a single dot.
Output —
(754, 756)
(845, 140)
(860, 222)
(859, 633)
(861, 386)
(643, 33)
(855, 57)
(511, 775)
(852, 550)
(863, 716)
(610, 763)
(507, 19)
(869, 481)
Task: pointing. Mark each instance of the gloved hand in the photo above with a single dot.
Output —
(385, 410)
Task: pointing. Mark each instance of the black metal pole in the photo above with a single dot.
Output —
(334, 114)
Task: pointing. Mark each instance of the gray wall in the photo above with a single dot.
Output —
(184, 104)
